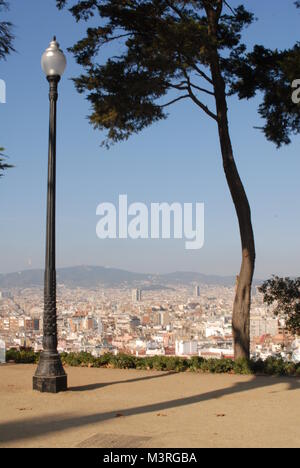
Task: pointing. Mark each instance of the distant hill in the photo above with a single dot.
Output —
(93, 276)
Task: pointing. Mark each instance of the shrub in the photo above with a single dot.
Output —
(224, 366)
(274, 366)
(195, 363)
(159, 363)
(24, 356)
(242, 366)
(257, 366)
(104, 360)
(77, 359)
(123, 361)
(271, 366)
(12, 355)
(176, 364)
(144, 363)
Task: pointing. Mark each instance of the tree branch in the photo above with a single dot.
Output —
(106, 41)
(175, 100)
(178, 86)
(196, 100)
(230, 8)
(211, 93)
(185, 88)
(201, 73)
(174, 8)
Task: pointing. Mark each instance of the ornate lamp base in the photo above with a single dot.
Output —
(50, 384)
(50, 376)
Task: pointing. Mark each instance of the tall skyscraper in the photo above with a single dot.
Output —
(197, 290)
(136, 295)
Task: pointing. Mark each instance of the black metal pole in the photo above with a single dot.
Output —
(50, 375)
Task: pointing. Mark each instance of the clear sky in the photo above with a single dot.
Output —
(174, 160)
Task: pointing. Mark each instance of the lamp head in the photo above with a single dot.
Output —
(53, 60)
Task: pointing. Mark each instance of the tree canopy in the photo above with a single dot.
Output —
(3, 164)
(6, 47)
(6, 36)
(285, 293)
(164, 48)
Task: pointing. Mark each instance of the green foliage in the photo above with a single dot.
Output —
(216, 366)
(275, 366)
(285, 293)
(123, 361)
(78, 359)
(165, 49)
(3, 164)
(272, 365)
(270, 73)
(243, 366)
(195, 363)
(6, 36)
(24, 356)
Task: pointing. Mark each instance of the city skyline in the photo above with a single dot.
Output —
(177, 160)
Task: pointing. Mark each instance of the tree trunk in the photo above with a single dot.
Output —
(242, 302)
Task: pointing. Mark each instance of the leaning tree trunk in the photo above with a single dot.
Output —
(242, 302)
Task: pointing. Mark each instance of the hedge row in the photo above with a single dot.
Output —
(271, 366)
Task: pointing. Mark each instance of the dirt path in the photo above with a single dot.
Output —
(120, 408)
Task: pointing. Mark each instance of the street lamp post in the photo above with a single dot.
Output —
(50, 376)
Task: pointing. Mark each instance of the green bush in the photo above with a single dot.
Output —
(195, 363)
(104, 360)
(176, 364)
(144, 363)
(258, 366)
(271, 366)
(243, 366)
(159, 363)
(274, 366)
(224, 366)
(24, 356)
(123, 361)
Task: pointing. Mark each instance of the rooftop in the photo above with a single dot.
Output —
(129, 408)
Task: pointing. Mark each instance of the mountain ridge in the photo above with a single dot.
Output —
(91, 276)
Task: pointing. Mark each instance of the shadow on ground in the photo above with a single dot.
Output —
(95, 386)
(38, 426)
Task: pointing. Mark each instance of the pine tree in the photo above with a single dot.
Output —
(6, 36)
(174, 50)
(6, 47)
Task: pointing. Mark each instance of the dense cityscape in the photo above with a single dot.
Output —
(181, 320)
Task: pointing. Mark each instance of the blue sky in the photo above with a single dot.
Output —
(174, 160)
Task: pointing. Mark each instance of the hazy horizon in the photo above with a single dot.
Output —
(62, 267)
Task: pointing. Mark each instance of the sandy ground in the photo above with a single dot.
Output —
(128, 408)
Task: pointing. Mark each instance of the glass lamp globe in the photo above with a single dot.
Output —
(53, 60)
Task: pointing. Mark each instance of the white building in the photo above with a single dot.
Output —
(214, 331)
(262, 326)
(2, 352)
(296, 350)
(136, 295)
(186, 348)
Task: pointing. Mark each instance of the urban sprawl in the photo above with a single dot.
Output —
(178, 320)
